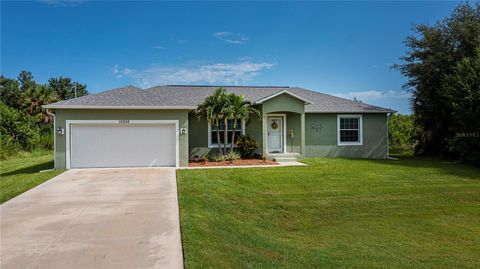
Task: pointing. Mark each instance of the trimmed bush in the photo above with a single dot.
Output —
(246, 145)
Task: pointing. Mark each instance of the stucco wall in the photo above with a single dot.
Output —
(82, 114)
(323, 143)
(294, 123)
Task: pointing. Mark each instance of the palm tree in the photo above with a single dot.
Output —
(212, 108)
(35, 98)
(239, 109)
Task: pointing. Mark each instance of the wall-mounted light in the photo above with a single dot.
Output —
(60, 131)
(183, 131)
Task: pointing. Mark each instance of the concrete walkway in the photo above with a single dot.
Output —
(95, 218)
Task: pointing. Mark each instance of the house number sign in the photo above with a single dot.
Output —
(124, 121)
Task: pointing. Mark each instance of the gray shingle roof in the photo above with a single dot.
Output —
(188, 97)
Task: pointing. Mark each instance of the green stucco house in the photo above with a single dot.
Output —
(130, 127)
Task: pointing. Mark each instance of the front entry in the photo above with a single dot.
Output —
(275, 135)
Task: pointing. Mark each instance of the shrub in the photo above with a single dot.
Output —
(18, 131)
(401, 132)
(230, 156)
(246, 145)
(46, 141)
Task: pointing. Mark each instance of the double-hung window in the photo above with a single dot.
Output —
(349, 130)
(212, 132)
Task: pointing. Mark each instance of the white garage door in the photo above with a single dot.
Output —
(122, 145)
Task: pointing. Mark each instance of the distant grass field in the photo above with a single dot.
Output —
(334, 213)
(20, 174)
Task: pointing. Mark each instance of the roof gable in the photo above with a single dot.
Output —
(283, 92)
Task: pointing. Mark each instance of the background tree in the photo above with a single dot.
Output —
(26, 81)
(24, 124)
(64, 88)
(10, 93)
(401, 132)
(462, 88)
(434, 53)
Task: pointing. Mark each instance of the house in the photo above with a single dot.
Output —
(156, 127)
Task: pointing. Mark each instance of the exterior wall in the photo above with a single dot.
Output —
(62, 115)
(198, 135)
(323, 143)
(293, 123)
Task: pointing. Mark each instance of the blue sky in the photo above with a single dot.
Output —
(341, 48)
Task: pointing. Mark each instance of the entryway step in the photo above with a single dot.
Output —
(285, 159)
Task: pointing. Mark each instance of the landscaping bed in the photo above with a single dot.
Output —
(241, 162)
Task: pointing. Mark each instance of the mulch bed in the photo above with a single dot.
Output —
(232, 163)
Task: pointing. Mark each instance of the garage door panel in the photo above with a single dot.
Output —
(114, 145)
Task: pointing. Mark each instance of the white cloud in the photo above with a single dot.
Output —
(63, 3)
(374, 95)
(121, 72)
(232, 38)
(159, 47)
(217, 73)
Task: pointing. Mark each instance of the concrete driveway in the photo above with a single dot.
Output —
(95, 218)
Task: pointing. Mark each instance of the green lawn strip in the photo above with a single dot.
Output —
(23, 173)
(420, 213)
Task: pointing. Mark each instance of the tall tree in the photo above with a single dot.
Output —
(65, 89)
(10, 93)
(26, 81)
(433, 53)
(462, 88)
(36, 98)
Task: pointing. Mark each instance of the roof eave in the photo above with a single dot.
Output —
(117, 107)
(367, 111)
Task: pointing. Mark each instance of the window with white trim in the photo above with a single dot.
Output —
(212, 132)
(349, 129)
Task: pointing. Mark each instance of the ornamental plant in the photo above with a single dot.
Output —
(246, 145)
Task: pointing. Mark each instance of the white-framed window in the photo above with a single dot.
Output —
(349, 130)
(212, 132)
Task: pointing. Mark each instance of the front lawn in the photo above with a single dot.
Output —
(23, 173)
(334, 213)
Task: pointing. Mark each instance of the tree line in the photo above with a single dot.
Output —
(442, 65)
(24, 124)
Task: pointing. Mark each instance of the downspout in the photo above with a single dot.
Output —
(388, 142)
(54, 139)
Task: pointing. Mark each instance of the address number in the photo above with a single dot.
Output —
(124, 121)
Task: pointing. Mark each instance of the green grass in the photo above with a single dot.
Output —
(334, 213)
(20, 174)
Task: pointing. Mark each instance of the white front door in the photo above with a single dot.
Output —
(275, 134)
